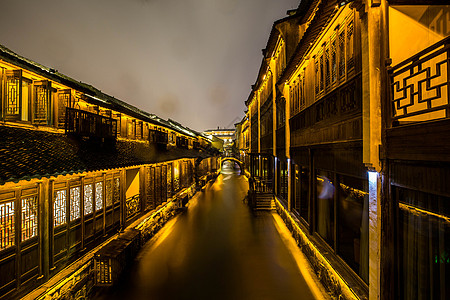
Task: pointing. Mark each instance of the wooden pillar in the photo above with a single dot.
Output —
(142, 188)
(123, 187)
(50, 214)
(374, 54)
(83, 229)
(104, 202)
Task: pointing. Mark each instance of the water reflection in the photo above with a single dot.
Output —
(217, 249)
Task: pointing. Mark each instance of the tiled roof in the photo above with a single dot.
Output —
(324, 14)
(93, 95)
(26, 154)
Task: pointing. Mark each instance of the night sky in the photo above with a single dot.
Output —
(193, 61)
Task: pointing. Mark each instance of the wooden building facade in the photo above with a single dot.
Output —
(76, 167)
(357, 150)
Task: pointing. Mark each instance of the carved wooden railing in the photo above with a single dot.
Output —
(158, 137)
(419, 86)
(263, 185)
(182, 142)
(133, 206)
(343, 101)
(87, 124)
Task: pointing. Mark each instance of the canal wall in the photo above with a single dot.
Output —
(335, 285)
(78, 279)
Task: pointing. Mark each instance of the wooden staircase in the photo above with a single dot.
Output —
(264, 201)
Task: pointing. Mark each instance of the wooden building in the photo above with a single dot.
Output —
(77, 166)
(348, 124)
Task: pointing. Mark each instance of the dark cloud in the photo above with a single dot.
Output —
(191, 60)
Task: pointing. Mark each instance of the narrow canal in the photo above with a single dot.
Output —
(217, 249)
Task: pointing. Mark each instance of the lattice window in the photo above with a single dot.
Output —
(63, 102)
(317, 73)
(109, 192)
(41, 102)
(75, 201)
(164, 183)
(291, 97)
(322, 73)
(169, 180)
(13, 95)
(139, 130)
(6, 224)
(342, 53)
(150, 203)
(302, 92)
(350, 58)
(59, 208)
(98, 195)
(327, 67)
(130, 128)
(116, 195)
(29, 217)
(176, 177)
(88, 199)
(333, 61)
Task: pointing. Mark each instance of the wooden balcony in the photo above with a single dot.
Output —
(418, 109)
(335, 117)
(86, 124)
(419, 87)
(182, 142)
(158, 138)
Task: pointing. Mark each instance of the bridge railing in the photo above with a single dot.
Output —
(263, 185)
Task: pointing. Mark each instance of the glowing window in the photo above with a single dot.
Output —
(59, 208)
(29, 217)
(116, 195)
(109, 193)
(88, 209)
(75, 210)
(98, 195)
(12, 103)
(6, 224)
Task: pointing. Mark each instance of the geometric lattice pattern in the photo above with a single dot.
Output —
(109, 192)
(335, 62)
(12, 95)
(98, 195)
(75, 202)
(169, 180)
(419, 86)
(132, 205)
(6, 224)
(59, 208)
(29, 217)
(88, 199)
(40, 104)
(116, 195)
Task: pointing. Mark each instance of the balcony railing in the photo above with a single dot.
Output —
(87, 124)
(158, 137)
(339, 104)
(182, 142)
(133, 206)
(263, 185)
(420, 86)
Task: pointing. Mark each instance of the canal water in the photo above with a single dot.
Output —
(217, 249)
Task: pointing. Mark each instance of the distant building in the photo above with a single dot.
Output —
(226, 135)
(242, 141)
(77, 165)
